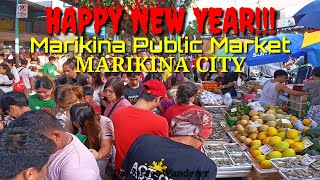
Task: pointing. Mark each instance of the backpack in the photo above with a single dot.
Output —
(19, 87)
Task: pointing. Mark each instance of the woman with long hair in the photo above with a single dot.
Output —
(97, 133)
(185, 110)
(65, 96)
(6, 79)
(95, 81)
(43, 99)
(113, 92)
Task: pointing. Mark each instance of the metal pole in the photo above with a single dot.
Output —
(17, 46)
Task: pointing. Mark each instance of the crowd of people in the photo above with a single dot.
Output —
(127, 125)
(70, 125)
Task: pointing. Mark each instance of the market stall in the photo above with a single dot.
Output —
(250, 141)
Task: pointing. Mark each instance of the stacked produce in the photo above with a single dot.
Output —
(238, 110)
(314, 136)
(211, 87)
(273, 128)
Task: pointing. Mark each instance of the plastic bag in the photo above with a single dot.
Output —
(227, 99)
(239, 82)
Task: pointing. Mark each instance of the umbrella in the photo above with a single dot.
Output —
(311, 41)
(309, 15)
(254, 59)
(311, 44)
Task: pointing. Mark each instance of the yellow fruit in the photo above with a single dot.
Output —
(281, 130)
(282, 135)
(255, 147)
(271, 131)
(266, 164)
(274, 140)
(256, 142)
(281, 146)
(260, 158)
(297, 146)
(292, 134)
(307, 122)
(271, 112)
(279, 122)
(245, 117)
(290, 141)
(262, 135)
(288, 153)
(253, 113)
(297, 139)
(253, 136)
(288, 126)
(274, 154)
(242, 138)
(260, 121)
(247, 141)
(254, 118)
(266, 140)
(256, 153)
(263, 128)
(305, 129)
(293, 119)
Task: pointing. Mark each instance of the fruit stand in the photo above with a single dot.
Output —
(262, 139)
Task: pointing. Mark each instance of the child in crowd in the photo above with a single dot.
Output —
(88, 98)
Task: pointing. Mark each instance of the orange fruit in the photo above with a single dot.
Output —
(307, 122)
(293, 119)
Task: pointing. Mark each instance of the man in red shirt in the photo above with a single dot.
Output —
(134, 121)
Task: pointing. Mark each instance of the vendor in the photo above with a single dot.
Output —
(239, 78)
(226, 83)
(272, 89)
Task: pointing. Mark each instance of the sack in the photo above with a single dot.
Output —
(19, 87)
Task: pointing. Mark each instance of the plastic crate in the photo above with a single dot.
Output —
(298, 99)
(298, 106)
(298, 114)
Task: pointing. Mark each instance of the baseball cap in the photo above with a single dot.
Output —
(155, 88)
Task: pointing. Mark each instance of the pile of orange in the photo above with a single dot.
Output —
(210, 86)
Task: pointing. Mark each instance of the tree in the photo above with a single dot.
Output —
(192, 29)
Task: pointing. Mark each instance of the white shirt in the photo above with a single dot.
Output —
(15, 73)
(206, 66)
(96, 96)
(4, 79)
(25, 74)
(73, 162)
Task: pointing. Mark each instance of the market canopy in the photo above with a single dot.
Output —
(254, 59)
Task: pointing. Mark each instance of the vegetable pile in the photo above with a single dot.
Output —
(238, 110)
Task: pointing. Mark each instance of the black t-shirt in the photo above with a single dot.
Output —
(225, 80)
(157, 157)
(132, 95)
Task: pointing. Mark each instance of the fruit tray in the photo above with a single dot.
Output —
(316, 164)
(288, 163)
(233, 148)
(298, 174)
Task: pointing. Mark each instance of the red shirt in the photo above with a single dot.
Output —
(130, 123)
